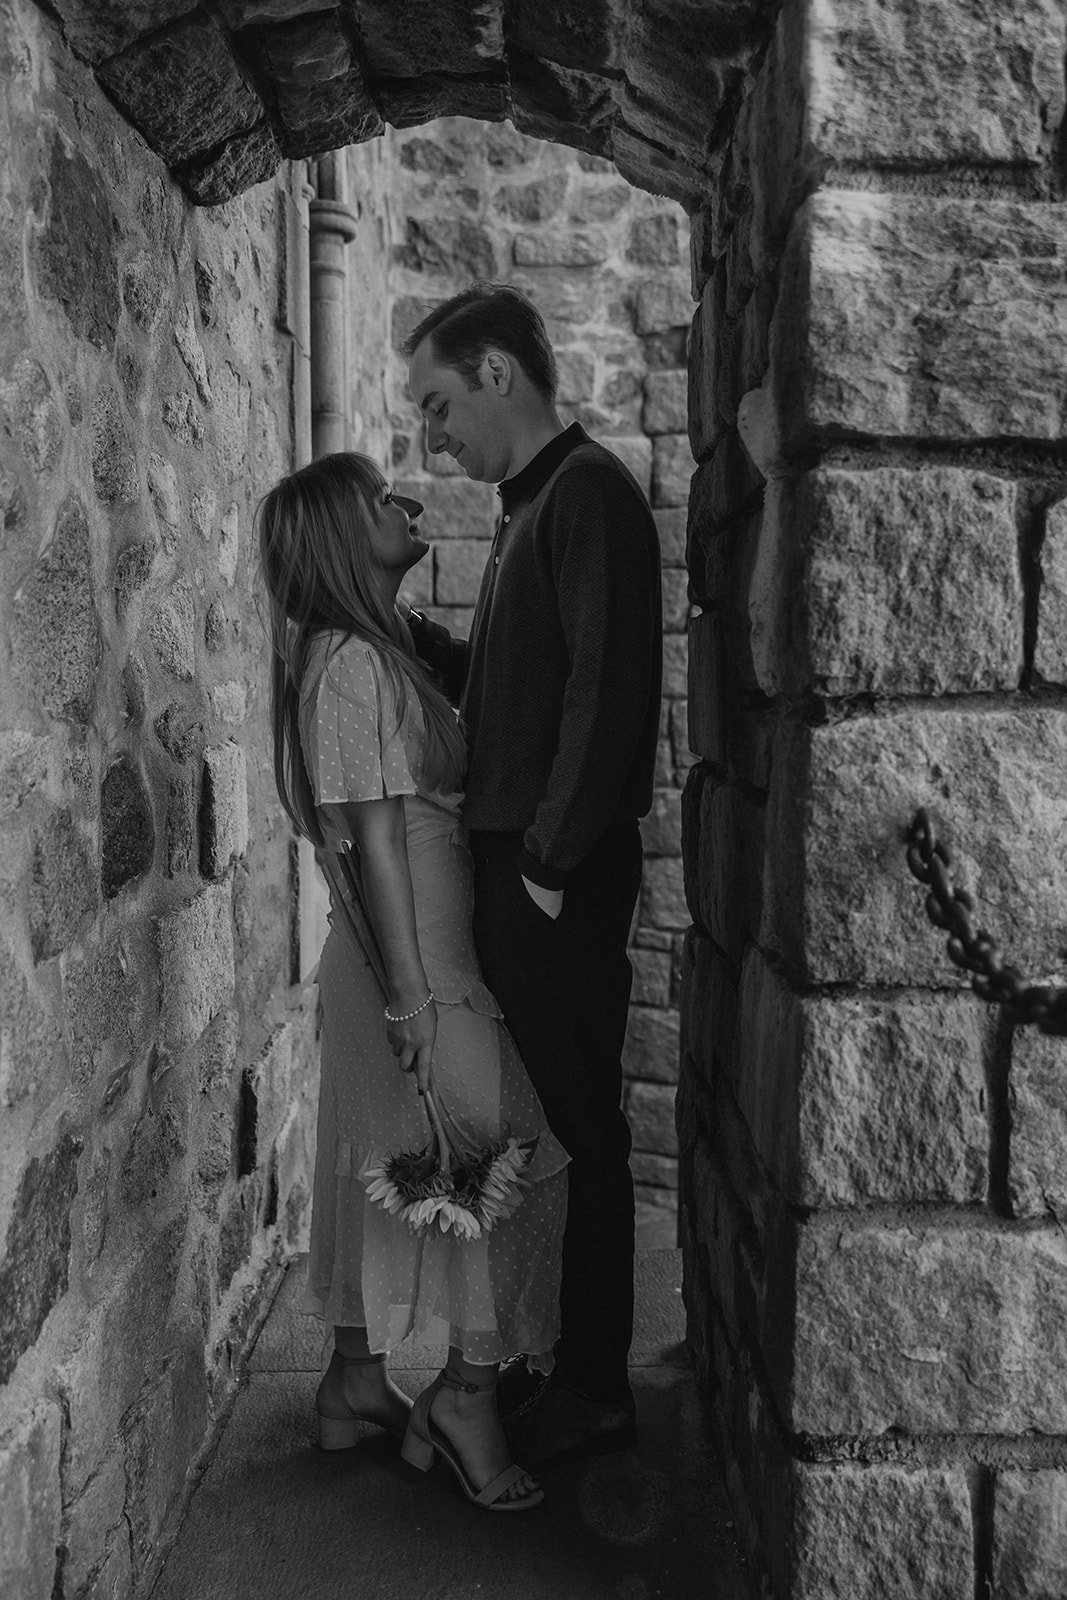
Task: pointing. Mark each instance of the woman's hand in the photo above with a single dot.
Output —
(412, 1043)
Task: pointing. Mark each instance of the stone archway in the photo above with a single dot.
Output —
(873, 1165)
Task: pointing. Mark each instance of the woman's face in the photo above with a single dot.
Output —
(393, 532)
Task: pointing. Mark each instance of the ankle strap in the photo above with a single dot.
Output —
(453, 1380)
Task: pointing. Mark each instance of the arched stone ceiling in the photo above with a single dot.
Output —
(226, 90)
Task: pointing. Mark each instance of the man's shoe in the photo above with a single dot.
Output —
(560, 1425)
(516, 1386)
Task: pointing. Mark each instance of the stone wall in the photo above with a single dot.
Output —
(607, 266)
(873, 1160)
(153, 1160)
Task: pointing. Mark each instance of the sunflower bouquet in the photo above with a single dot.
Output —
(450, 1184)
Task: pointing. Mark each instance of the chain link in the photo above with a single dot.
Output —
(975, 950)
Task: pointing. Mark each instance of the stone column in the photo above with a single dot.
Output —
(873, 1160)
(333, 225)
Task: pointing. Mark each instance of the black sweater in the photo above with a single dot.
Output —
(559, 684)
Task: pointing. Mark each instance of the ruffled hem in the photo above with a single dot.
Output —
(451, 988)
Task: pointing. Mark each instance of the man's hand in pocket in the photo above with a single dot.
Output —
(550, 900)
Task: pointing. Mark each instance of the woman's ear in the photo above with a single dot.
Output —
(498, 370)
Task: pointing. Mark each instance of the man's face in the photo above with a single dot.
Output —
(467, 424)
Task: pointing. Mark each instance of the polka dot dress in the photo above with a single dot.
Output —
(490, 1297)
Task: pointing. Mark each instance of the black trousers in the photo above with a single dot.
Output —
(564, 987)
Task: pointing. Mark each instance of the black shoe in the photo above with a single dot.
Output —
(516, 1386)
(560, 1425)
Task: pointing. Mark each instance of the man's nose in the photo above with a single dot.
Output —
(413, 508)
(435, 436)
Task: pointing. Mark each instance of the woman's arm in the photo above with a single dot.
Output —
(377, 826)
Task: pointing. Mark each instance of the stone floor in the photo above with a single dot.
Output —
(275, 1519)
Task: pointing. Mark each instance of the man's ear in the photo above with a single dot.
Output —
(498, 373)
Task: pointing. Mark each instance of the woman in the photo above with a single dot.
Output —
(368, 752)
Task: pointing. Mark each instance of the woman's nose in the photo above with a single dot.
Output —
(413, 508)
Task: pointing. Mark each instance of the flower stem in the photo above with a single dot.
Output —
(441, 1136)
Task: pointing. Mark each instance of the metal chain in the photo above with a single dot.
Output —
(976, 951)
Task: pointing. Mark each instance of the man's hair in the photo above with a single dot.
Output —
(488, 316)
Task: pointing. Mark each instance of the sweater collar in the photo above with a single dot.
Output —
(535, 474)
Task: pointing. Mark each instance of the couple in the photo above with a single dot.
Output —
(486, 959)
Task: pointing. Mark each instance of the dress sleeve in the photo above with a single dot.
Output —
(358, 741)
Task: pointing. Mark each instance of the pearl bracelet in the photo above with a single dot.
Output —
(409, 1014)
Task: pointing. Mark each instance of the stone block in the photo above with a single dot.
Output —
(671, 525)
(561, 295)
(406, 314)
(128, 835)
(75, 257)
(662, 303)
(56, 629)
(672, 469)
(133, 568)
(655, 1173)
(34, 1268)
(176, 1409)
(458, 567)
(663, 895)
(32, 1500)
(881, 1530)
(146, 292)
(181, 418)
(31, 1039)
(1050, 650)
(229, 544)
(576, 373)
(840, 902)
(857, 1101)
(196, 965)
(651, 1050)
(653, 241)
(115, 475)
(652, 978)
(665, 408)
(172, 630)
(927, 1329)
(223, 809)
(35, 414)
(192, 351)
(153, 1171)
(102, 1377)
(726, 866)
(635, 452)
(666, 349)
(63, 886)
(675, 666)
(243, 161)
(96, 31)
(650, 1113)
(538, 201)
(1029, 1534)
(661, 829)
(179, 730)
(95, 1527)
(182, 89)
(968, 82)
(675, 600)
(594, 202)
(456, 508)
(888, 581)
(566, 248)
(452, 247)
(981, 358)
(1037, 1088)
(23, 767)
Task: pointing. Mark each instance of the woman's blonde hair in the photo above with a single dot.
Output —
(320, 573)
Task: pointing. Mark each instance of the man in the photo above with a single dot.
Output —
(559, 689)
